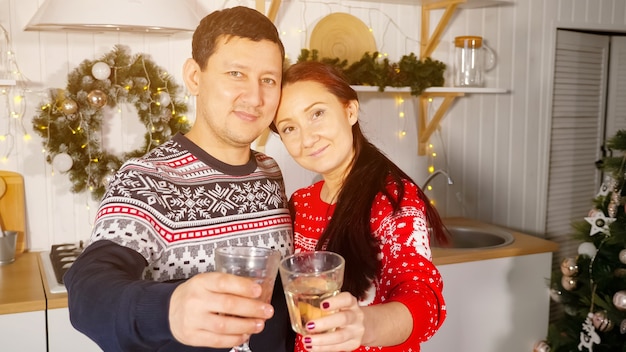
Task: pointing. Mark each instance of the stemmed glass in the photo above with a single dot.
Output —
(257, 263)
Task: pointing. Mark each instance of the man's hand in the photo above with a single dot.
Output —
(217, 310)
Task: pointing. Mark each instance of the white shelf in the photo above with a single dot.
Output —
(480, 90)
(466, 90)
(7, 82)
(468, 4)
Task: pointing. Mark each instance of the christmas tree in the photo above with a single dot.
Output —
(591, 287)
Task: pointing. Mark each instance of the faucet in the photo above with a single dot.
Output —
(433, 175)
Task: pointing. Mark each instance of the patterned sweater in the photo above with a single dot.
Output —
(172, 208)
(406, 275)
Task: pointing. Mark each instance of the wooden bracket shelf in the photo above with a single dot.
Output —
(425, 128)
(272, 12)
(7, 82)
(428, 41)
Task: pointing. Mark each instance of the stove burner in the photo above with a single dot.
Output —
(62, 256)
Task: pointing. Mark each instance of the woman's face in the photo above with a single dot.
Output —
(316, 127)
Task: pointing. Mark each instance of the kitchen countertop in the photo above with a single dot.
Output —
(523, 244)
(23, 288)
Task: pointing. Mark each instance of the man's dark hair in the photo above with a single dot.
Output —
(239, 21)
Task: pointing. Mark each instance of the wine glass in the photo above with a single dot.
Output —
(308, 279)
(257, 263)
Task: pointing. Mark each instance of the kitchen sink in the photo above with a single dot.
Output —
(469, 236)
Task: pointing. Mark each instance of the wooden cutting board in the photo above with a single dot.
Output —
(12, 206)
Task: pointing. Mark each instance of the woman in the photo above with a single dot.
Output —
(366, 209)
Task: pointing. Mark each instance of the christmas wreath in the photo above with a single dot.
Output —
(71, 122)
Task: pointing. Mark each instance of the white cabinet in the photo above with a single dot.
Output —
(62, 337)
(494, 305)
(23, 332)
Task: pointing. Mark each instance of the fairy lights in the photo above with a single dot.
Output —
(432, 154)
(14, 98)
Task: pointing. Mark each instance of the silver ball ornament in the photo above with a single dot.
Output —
(100, 71)
(612, 210)
(616, 196)
(87, 80)
(569, 283)
(541, 346)
(69, 106)
(619, 300)
(107, 178)
(164, 98)
(62, 162)
(588, 249)
(601, 321)
(97, 98)
(622, 256)
(569, 267)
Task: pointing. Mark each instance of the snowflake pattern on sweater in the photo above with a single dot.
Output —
(407, 274)
(176, 204)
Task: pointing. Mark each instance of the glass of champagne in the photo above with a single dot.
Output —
(309, 278)
(259, 264)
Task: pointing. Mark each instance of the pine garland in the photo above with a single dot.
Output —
(71, 124)
(371, 71)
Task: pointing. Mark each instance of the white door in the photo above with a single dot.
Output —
(616, 102)
(577, 134)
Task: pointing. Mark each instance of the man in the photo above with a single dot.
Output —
(146, 280)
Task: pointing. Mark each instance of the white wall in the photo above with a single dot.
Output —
(496, 145)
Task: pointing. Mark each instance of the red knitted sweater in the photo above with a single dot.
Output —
(406, 275)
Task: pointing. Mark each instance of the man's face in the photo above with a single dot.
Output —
(239, 91)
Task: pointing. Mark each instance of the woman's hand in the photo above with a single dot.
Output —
(342, 330)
